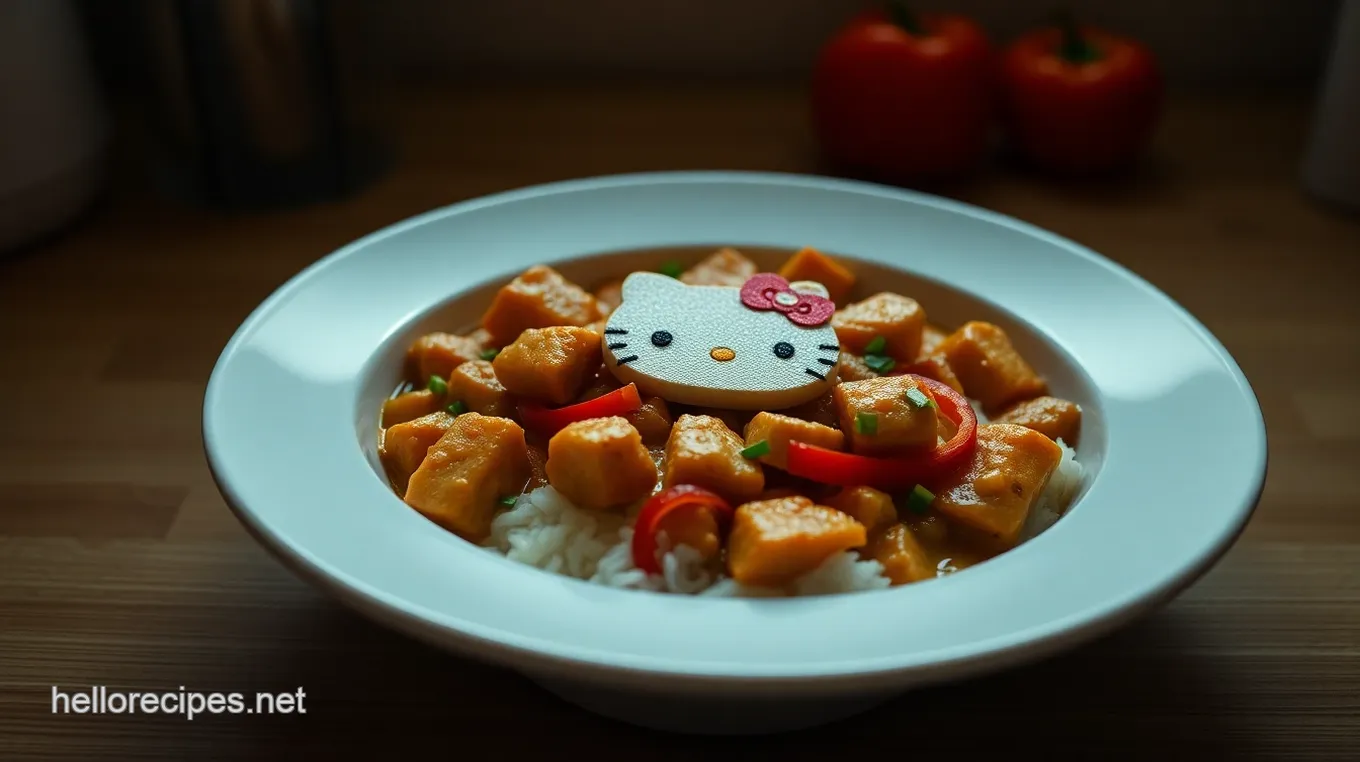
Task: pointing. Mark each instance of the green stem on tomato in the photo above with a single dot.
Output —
(903, 16)
(1075, 48)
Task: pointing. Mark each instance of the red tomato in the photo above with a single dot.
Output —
(901, 97)
(1079, 101)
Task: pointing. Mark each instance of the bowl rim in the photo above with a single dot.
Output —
(557, 657)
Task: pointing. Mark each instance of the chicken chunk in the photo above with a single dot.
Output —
(478, 460)
(821, 410)
(409, 406)
(404, 446)
(600, 463)
(724, 267)
(474, 384)
(995, 494)
(437, 354)
(936, 367)
(694, 529)
(866, 505)
(549, 364)
(702, 451)
(773, 542)
(932, 336)
(1053, 417)
(903, 558)
(735, 420)
(778, 430)
(991, 371)
(652, 420)
(897, 319)
(810, 264)
(883, 415)
(853, 368)
(540, 297)
(482, 337)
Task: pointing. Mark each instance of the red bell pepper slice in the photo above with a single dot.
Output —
(899, 472)
(681, 497)
(549, 421)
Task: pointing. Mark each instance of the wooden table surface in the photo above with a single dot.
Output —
(120, 565)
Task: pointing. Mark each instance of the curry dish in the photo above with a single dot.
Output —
(710, 428)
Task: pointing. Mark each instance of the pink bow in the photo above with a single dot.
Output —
(767, 291)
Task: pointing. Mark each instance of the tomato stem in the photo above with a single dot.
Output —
(1075, 48)
(904, 17)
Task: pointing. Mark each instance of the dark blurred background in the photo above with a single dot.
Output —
(276, 103)
(1202, 43)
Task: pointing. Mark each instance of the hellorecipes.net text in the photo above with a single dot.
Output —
(98, 699)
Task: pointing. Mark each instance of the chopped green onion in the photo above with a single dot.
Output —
(509, 500)
(918, 398)
(456, 407)
(489, 354)
(880, 363)
(866, 424)
(437, 385)
(756, 450)
(876, 346)
(672, 268)
(919, 499)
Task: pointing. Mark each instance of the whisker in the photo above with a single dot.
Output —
(618, 345)
(615, 330)
(625, 360)
(812, 372)
(825, 361)
(828, 347)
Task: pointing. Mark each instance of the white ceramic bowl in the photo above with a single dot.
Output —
(1173, 442)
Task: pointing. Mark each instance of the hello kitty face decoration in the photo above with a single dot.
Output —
(768, 345)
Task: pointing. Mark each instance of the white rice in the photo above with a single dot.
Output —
(842, 573)
(546, 531)
(1057, 495)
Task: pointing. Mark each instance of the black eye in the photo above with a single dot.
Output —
(664, 338)
(783, 350)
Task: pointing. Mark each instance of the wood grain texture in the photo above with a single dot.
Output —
(120, 566)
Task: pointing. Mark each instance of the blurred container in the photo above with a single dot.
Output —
(259, 103)
(1331, 167)
(53, 128)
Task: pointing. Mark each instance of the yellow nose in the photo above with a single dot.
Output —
(722, 354)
